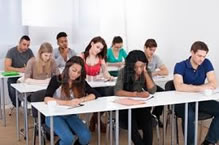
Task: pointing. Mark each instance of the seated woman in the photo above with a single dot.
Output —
(40, 70)
(70, 88)
(116, 55)
(96, 68)
(134, 80)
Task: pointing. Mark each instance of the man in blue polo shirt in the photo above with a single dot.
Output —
(190, 76)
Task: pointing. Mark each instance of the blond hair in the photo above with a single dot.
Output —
(44, 48)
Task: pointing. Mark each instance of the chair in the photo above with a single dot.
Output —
(169, 86)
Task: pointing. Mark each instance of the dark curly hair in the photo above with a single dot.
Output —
(129, 69)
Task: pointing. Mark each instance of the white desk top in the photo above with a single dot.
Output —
(27, 88)
(101, 83)
(106, 103)
(159, 80)
(113, 68)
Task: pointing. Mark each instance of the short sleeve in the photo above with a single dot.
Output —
(120, 81)
(159, 62)
(124, 54)
(10, 54)
(208, 65)
(179, 68)
(31, 53)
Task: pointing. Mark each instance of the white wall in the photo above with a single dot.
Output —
(175, 25)
(11, 28)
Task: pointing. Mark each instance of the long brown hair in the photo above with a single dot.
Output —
(44, 48)
(78, 85)
(102, 54)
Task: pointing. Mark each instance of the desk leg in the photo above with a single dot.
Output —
(129, 126)
(1, 89)
(117, 127)
(173, 126)
(39, 127)
(196, 121)
(17, 118)
(26, 119)
(98, 127)
(3, 102)
(111, 128)
(186, 123)
(51, 131)
(164, 125)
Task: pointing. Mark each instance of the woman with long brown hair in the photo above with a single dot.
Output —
(71, 89)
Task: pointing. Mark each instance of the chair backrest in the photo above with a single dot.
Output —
(204, 116)
(169, 86)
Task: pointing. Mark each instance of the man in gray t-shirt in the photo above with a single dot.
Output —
(157, 68)
(155, 64)
(62, 54)
(16, 60)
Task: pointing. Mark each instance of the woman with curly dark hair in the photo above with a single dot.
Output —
(135, 80)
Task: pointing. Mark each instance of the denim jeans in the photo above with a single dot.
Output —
(67, 127)
(208, 107)
(11, 91)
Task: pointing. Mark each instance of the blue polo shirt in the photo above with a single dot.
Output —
(190, 75)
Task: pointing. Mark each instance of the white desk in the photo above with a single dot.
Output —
(2, 99)
(161, 80)
(113, 68)
(24, 88)
(107, 104)
(101, 83)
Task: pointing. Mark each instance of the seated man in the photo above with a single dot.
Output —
(63, 53)
(16, 60)
(190, 76)
(157, 68)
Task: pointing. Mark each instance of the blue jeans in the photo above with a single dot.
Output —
(208, 107)
(66, 127)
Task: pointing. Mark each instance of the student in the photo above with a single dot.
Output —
(190, 76)
(40, 70)
(135, 80)
(155, 65)
(16, 60)
(71, 89)
(157, 68)
(62, 53)
(96, 68)
(95, 59)
(116, 54)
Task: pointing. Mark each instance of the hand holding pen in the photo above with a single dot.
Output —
(143, 94)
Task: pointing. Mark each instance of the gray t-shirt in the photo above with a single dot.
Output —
(155, 63)
(19, 59)
(60, 62)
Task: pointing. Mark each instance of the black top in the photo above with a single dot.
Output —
(56, 82)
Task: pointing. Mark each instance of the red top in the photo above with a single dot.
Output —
(93, 70)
